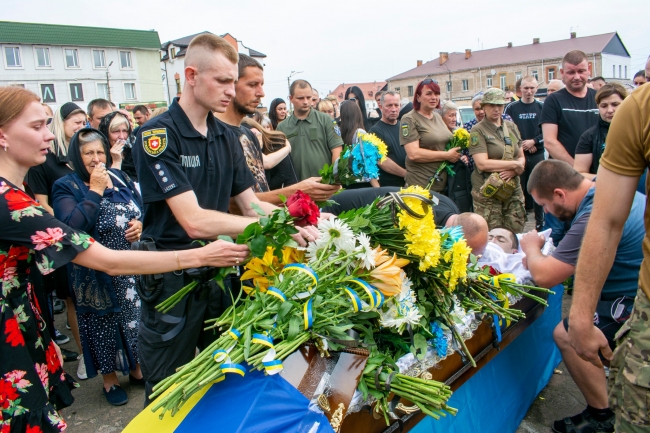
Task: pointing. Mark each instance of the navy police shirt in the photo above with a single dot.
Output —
(173, 158)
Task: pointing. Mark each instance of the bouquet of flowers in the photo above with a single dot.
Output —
(460, 139)
(357, 163)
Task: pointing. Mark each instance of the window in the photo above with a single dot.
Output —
(47, 93)
(125, 60)
(12, 57)
(551, 74)
(102, 91)
(449, 86)
(502, 81)
(517, 76)
(99, 58)
(43, 57)
(71, 58)
(76, 92)
(410, 89)
(535, 74)
(397, 89)
(129, 90)
(465, 85)
(489, 80)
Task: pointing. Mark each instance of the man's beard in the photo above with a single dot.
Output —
(563, 214)
(241, 108)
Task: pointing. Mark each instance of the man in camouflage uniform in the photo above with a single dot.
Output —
(495, 145)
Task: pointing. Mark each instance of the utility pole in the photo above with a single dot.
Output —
(108, 82)
(289, 85)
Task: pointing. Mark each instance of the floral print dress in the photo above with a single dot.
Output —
(33, 385)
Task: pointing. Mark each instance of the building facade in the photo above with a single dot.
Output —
(172, 55)
(368, 89)
(78, 64)
(462, 75)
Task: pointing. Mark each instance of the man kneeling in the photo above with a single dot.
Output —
(567, 195)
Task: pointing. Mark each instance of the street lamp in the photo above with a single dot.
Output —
(289, 84)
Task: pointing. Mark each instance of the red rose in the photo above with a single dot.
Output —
(494, 272)
(18, 200)
(7, 393)
(303, 209)
(13, 333)
(35, 429)
(52, 358)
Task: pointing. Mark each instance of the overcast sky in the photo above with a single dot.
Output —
(337, 41)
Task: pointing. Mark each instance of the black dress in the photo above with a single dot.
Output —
(33, 385)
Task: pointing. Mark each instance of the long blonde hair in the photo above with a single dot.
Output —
(59, 146)
(271, 140)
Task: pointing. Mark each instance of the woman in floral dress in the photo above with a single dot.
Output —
(33, 385)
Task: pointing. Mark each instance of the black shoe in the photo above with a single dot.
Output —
(116, 395)
(584, 422)
(58, 306)
(60, 338)
(69, 355)
(134, 381)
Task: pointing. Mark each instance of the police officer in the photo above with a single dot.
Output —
(190, 166)
(495, 145)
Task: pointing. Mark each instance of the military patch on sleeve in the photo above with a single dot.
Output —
(473, 137)
(154, 141)
(405, 130)
(163, 176)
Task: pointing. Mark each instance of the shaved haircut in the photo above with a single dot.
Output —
(203, 45)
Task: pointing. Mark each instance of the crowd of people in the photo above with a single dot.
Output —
(80, 188)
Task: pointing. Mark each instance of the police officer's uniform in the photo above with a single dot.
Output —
(173, 158)
(503, 143)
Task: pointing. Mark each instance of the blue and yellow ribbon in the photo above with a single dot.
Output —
(494, 280)
(304, 269)
(219, 355)
(233, 368)
(308, 314)
(274, 291)
(262, 339)
(273, 367)
(234, 333)
(368, 289)
(354, 298)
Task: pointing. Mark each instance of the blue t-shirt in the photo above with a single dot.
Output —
(623, 278)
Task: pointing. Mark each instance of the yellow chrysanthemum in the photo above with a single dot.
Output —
(461, 138)
(457, 258)
(261, 270)
(378, 143)
(421, 234)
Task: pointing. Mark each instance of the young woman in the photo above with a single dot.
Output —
(355, 93)
(351, 131)
(34, 385)
(277, 112)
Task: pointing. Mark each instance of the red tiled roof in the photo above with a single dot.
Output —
(368, 89)
(506, 55)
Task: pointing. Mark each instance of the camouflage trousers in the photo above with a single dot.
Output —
(510, 213)
(629, 378)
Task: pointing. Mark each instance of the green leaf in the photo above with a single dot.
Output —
(420, 344)
(283, 199)
(363, 388)
(258, 209)
(294, 327)
(284, 309)
(258, 246)
(225, 238)
(247, 342)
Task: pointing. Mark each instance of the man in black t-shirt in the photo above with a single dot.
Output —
(190, 166)
(525, 114)
(571, 111)
(393, 170)
(249, 91)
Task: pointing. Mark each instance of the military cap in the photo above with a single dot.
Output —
(494, 96)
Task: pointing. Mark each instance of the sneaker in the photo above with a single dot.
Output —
(583, 422)
(60, 338)
(116, 395)
(67, 325)
(58, 306)
(69, 355)
(81, 369)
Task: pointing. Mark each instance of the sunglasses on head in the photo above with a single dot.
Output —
(429, 81)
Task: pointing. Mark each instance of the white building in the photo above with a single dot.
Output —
(78, 64)
(172, 56)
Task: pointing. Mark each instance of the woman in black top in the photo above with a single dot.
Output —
(277, 112)
(592, 142)
(355, 93)
(352, 129)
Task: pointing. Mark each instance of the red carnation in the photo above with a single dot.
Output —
(13, 332)
(494, 272)
(18, 200)
(303, 209)
(52, 358)
(7, 393)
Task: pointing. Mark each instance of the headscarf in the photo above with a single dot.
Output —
(74, 153)
(104, 125)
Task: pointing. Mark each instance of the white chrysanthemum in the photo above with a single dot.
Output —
(398, 316)
(365, 253)
(338, 232)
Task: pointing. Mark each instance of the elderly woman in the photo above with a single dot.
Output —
(35, 387)
(106, 205)
(449, 113)
(592, 142)
(479, 113)
(424, 136)
(117, 127)
(495, 145)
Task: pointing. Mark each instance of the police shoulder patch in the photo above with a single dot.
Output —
(154, 141)
(473, 137)
(405, 130)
